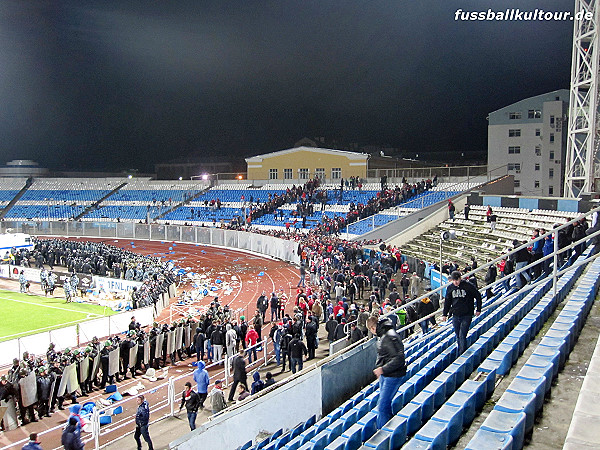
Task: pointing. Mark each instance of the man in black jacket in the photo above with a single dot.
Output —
(142, 418)
(239, 373)
(191, 401)
(311, 337)
(297, 350)
(459, 302)
(390, 366)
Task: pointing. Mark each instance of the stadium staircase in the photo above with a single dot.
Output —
(474, 238)
(95, 205)
(441, 393)
(16, 198)
(180, 204)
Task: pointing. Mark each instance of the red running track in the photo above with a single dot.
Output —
(201, 259)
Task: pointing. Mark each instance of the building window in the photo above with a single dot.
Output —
(514, 115)
(514, 133)
(514, 150)
(336, 173)
(534, 114)
(517, 183)
(551, 190)
(551, 120)
(287, 174)
(538, 150)
(537, 166)
(551, 137)
(272, 174)
(514, 166)
(538, 132)
(551, 153)
(551, 173)
(320, 173)
(303, 174)
(536, 184)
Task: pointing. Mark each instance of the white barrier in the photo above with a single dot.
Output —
(73, 335)
(114, 284)
(266, 245)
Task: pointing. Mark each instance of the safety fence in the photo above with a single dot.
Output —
(120, 415)
(72, 335)
(283, 249)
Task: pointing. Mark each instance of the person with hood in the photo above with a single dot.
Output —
(230, 340)
(424, 308)
(71, 436)
(142, 418)
(460, 296)
(258, 384)
(202, 381)
(390, 366)
(191, 401)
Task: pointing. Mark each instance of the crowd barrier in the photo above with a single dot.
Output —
(283, 249)
(72, 335)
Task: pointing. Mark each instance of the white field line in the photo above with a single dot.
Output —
(50, 306)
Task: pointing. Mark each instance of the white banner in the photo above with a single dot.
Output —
(114, 285)
(4, 271)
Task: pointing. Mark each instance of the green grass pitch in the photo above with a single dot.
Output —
(22, 314)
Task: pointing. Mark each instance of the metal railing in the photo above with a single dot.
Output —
(555, 274)
(159, 410)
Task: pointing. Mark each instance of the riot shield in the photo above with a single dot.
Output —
(170, 342)
(133, 351)
(28, 387)
(146, 351)
(84, 369)
(95, 365)
(158, 350)
(113, 361)
(178, 338)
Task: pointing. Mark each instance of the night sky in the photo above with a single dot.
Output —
(126, 84)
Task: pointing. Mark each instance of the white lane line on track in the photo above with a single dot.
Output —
(52, 307)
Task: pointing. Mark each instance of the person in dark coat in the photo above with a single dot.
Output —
(71, 438)
(330, 327)
(355, 335)
(239, 373)
(191, 401)
(390, 366)
(142, 418)
(490, 277)
(311, 337)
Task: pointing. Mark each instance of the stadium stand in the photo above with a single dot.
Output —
(475, 239)
(439, 395)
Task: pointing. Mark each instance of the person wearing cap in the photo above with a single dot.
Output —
(390, 365)
(460, 296)
(217, 398)
(71, 436)
(33, 443)
(191, 401)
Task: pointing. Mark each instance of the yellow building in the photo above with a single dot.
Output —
(296, 165)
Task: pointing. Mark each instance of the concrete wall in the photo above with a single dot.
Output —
(406, 228)
(283, 407)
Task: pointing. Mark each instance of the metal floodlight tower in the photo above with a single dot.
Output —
(582, 163)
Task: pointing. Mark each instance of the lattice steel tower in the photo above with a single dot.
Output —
(582, 169)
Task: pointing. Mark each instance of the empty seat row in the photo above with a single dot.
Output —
(513, 415)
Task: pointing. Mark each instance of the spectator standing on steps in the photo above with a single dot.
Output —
(460, 296)
(390, 366)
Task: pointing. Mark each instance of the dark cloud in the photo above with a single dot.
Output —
(126, 84)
